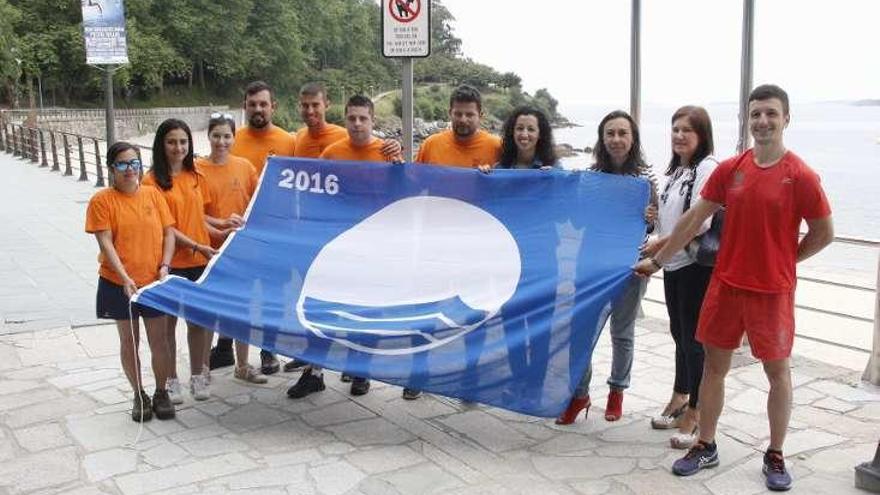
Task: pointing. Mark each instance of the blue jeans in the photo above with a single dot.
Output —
(623, 313)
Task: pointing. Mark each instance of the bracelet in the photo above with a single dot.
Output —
(655, 262)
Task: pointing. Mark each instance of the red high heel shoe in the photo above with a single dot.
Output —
(614, 408)
(574, 408)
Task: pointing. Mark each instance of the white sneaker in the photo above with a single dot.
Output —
(198, 387)
(175, 393)
(206, 374)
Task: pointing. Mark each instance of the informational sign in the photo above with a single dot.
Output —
(104, 32)
(406, 28)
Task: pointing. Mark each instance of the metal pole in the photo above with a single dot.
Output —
(745, 85)
(108, 105)
(40, 87)
(407, 101)
(635, 62)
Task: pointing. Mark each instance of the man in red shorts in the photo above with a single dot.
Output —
(767, 192)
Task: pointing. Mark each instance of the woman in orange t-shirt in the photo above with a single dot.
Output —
(175, 175)
(230, 183)
(133, 228)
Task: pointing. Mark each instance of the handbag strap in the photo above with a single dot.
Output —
(690, 185)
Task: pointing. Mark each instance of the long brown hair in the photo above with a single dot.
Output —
(699, 120)
(635, 160)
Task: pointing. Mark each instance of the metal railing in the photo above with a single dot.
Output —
(74, 114)
(64, 152)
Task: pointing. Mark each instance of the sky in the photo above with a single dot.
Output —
(817, 50)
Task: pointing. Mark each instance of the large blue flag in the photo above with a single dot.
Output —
(485, 287)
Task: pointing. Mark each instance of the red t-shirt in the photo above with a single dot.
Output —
(765, 207)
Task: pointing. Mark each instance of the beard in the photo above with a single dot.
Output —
(463, 130)
(258, 121)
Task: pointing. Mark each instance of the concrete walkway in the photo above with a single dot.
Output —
(64, 424)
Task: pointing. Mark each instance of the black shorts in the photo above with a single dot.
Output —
(191, 274)
(112, 303)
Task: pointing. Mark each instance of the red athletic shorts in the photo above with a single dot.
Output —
(768, 320)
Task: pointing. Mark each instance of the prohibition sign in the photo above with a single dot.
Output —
(402, 10)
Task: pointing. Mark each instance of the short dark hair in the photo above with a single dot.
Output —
(221, 120)
(466, 94)
(313, 89)
(359, 101)
(545, 149)
(635, 160)
(117, 149)
(699, 120)
(161, 170)
(768, 91)
(257, 86)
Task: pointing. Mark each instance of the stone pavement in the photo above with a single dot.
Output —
(64, 424)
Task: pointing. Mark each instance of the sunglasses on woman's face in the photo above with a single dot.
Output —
(129, 165)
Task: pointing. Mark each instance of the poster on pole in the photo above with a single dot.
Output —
(104, 32)
(406, 28)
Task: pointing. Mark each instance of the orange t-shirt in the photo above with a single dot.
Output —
(229, 187)
(137, 222)
(346, 150)
(444, 149)
(310, 145)
(186, 201)
(256, 146)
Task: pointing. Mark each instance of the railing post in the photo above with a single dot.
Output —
(100, 169)
(3, 134)
(868, 474)
(68, 170)
(55, 167)
(872, 370)
(15, 138)
(83, 176)
(43, 162)
(32, 135)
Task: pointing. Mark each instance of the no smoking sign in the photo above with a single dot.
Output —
(406, 28)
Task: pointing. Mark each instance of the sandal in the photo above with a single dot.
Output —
(668, 421)
(684, 441)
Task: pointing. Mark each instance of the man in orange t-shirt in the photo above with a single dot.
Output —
(256, 142)
(465, 145)
(359, 145)
(767, 192)
(318, 134)
(261, 138)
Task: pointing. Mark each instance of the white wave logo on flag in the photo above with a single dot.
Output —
(428, 268)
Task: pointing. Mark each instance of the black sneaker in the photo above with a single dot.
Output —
(220, 358)
(411, 394)
(778, 479)
(345, 378)
(141, 407)
(270, 363)
(162, 405)
(307, 384)
(296, 364)
(359, 386)
(700, 456)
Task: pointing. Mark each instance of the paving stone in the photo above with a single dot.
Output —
(300, 489)
(845, 392)
(51, 350)
(14, 401)
(212, 408)
(336, 448)
(870, 412)
(163, 428)
(654, 482)
(209, 447)
(164, 455)
(421, 479)
(15, 386)
(751, 401)
(109, 396)
(836, 405)
(384, 459)
(824, 483)
(300, 457)
(86, 490)
(375, 431)
(581, 467)
(633, 432)
(102, 465)
(742, 479)
(805, 395)
(284, 437)
(262, 478)
(50, 410)
(42, 437)
(39, 471)
(595, 487)
(336, 478)
(811, 439)
(252, 416)
(96, 433)
(198, 433)
(193, 418)
(86, 377)
(30, 373)
(337, 413)
(162, 479)
(634, 451)
(565, 444)
(487, 431)
(8, 357)
(859, 431)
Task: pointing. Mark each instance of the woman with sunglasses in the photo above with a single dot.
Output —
(230, 182)
(134, 231)
(684, 280)
(174, 174)
(618, 151)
